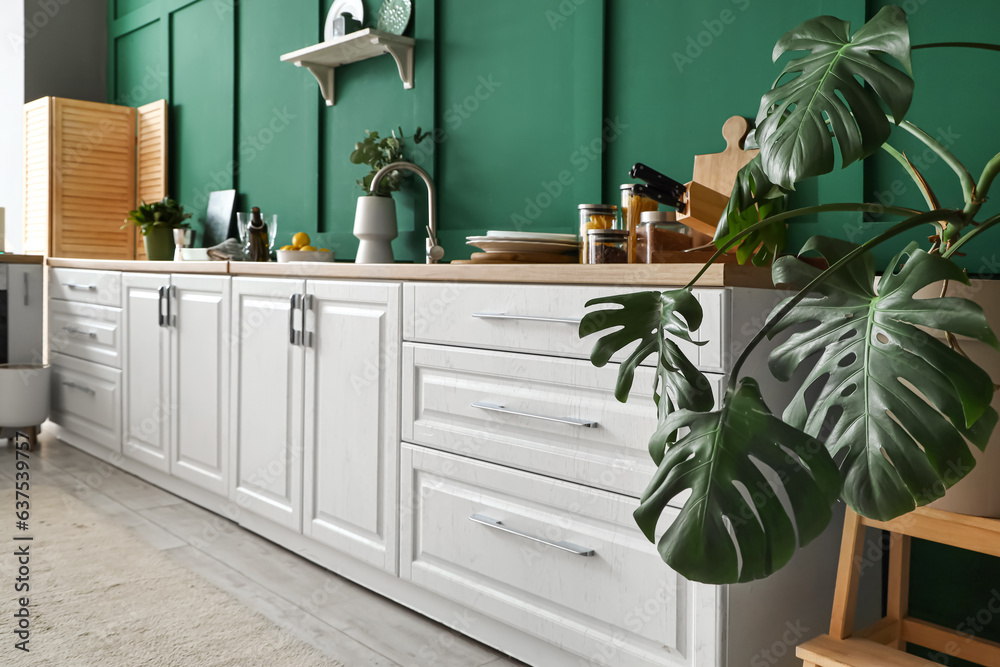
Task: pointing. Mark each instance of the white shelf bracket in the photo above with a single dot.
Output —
(403, 55)
(324, 76)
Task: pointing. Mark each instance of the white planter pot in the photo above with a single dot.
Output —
(25, 391)
(978, 493)
(375, 227)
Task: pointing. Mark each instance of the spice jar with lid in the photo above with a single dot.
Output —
(658, 233)
(632, 208)
(607, 246)
(594, 216)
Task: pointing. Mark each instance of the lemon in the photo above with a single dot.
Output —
(307, 248)
(288, 247)
(300, 240)
(324, 250)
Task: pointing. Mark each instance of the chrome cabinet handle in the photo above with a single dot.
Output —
(293, 335)
(527, 318)
(574, 549)
(162, 291)
(80, 387)
(80, 332)
(306, 304)
(25, 288)
(89, 288)
(572, 421)
(171, 297)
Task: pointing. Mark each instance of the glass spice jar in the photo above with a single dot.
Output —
(659, 233)
(607, 246)
(594, 216)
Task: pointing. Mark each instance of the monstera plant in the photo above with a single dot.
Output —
(887, 412)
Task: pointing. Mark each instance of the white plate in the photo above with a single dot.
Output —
(487, 244)
(352, 7)
(532, 236)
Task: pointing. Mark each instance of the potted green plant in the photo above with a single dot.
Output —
(375, 218)
(157, 221)
(886, 412)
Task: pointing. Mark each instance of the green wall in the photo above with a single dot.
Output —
(537, 105)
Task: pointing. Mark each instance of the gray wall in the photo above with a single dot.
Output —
(65, 49)
(11, 126)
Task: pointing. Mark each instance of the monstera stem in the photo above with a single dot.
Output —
(966, 45)
(983, 226)
(968, 185)
(909, 168)
(949, 215)
(808, 210)
(983, 186)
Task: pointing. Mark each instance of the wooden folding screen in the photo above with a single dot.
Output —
(82, 175)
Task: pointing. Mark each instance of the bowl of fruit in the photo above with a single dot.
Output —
(302, 251)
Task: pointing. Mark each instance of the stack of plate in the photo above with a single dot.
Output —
(525, 242)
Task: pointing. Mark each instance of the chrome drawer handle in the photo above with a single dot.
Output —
(574, 549)
(493, 407)
(80, 387)
(80, 332)
(527, 318)
(89, 288)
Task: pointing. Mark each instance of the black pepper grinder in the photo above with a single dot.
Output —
(259, 246)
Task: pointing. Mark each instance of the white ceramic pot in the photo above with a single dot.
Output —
(25, 391)
(978, 493)
(375, 227)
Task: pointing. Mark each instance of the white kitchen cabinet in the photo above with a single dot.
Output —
(352, 418)
(176, 375)
(146, 378)
(199, 380)
(315, 369)
(266, 415)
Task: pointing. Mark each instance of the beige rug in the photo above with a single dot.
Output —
(100, 596)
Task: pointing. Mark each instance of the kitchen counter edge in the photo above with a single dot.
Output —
(719, 275)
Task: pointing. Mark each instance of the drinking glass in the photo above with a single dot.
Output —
(243, 221)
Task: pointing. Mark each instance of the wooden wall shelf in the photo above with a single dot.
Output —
(324, 58)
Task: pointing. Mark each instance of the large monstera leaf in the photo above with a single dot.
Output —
(895, 405)
(740, 463)
(754, 198)
(652, 319)
(841, 80)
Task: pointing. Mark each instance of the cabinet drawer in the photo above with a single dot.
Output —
(620, 605)
(101, 287)
(542, 319)
(86, 331)
(86, 399)
(558, 417)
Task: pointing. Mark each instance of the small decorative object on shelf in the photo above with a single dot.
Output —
(156, 222)
(394, 16)
(344, 17)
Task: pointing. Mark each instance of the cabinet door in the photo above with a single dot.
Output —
(199, 380)
(146, 405)
(351, 418)
(266, 419)
(24, 317)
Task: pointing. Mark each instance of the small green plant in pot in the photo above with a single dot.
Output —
(378, 152)
(884, 415)
(157, 221)
(375, 217)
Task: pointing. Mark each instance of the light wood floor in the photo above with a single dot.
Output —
(345, 621)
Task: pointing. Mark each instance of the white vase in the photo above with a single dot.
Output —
(375, 227)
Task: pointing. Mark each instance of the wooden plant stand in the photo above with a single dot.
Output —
(884, 644)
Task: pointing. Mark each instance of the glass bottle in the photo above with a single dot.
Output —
(258, 244)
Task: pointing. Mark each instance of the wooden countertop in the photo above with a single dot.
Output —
(138, 266)
(6, 258)
(719, 275)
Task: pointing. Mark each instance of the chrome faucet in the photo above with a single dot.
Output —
(434, 251)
